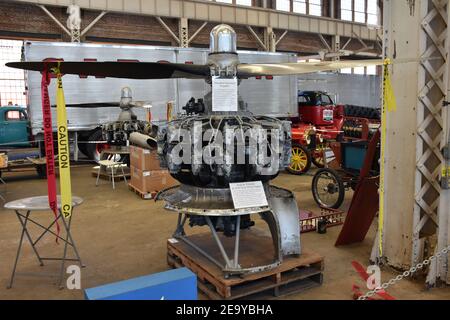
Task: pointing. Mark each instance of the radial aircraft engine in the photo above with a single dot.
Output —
(217, 141)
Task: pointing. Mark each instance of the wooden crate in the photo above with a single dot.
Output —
(294, 275)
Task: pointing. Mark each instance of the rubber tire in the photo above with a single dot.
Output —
(82, 146)
(341, 188)
(308, 160)
(362, 112)
(91, 148)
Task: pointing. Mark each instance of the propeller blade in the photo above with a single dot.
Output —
(128, 70)
(141, 104)
(285, 69)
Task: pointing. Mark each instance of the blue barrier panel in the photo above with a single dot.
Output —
(176, 284)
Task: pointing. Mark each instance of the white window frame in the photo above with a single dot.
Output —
(235, 2)
(308, 6)
(12, 81)
(368, 16)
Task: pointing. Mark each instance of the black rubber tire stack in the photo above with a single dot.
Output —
(362, 112)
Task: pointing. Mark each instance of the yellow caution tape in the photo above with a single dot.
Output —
(388, 92)
(445, 172)
(63, 150)
(389, 104)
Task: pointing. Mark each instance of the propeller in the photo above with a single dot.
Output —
(141, 104)
(154, 70)
(285, 69)
(129, 70)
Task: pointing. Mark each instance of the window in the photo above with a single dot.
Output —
(360, 11)
(299, 6)
(238, 2)
(309, 98)
(312, 7)
(359, 70)
(244, 2)
(304, 100)
(12, 81)
(283, 5)
(14, 115)
(363, 11)
(372, 12)
(315, 7)
(325, 99)
(346, 10)
(346, 71)
(371, 70)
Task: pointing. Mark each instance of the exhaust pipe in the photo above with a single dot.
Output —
(143, 141)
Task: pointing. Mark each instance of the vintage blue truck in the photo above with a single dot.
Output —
(16, 141)
(15, 129)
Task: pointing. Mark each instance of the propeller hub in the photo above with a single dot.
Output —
(126, 96)
(222, 39)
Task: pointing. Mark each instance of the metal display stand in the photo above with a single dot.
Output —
(231, 265)
(281, 217)
(23, 209)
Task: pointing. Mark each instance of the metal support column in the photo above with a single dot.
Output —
(270, 39)
(439, 268)
(74, 22)
(414, 216)
(336, 47)
(431, 94)
(183, 33)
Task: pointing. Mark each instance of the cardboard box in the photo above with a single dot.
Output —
(151, 181)
(144, 159)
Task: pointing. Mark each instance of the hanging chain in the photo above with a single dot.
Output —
(405, 274)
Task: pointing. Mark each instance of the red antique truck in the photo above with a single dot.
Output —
(320, 122)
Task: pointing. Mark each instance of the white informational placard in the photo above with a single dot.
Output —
(224, 94)
(248, 195)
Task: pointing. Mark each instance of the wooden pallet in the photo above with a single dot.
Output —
(143, 195)
(294, 275)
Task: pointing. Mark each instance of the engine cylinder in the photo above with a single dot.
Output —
(214, 150)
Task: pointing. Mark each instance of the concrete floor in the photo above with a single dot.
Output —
(120, 236)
